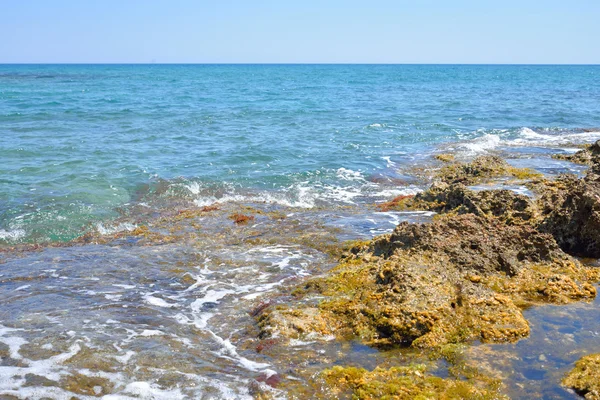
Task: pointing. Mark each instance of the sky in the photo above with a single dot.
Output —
(306, 31)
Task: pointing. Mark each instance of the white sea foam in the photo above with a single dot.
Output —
(349, 175)
(390, 193)
(14, 344)
(151, 332)
(12, 377)
(14, 234)
(109, 230)
(193, 187)
(480, 145)
(211, 296)
(145, 390)
(228, 350)
(156, 301)
(530, 137)
(298, 342)
(389, 162)
(347, 186)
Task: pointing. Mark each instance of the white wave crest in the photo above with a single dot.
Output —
(14, 234)
(530, 137)
(193, 187)
(109, 230)
(349, 175)
(482, 144)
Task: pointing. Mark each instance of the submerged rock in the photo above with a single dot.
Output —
(585, 377)
(400, 383)
(445, 157)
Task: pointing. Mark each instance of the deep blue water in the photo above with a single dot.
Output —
(80, 142)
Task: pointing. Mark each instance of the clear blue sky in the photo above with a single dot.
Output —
(303, 31)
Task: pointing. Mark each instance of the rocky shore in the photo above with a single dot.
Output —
(464, 277)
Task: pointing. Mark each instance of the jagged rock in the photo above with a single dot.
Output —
(480, 169)
(456, 279)
(457, 198)
(584, 156)
(474, 243)
(570, 210)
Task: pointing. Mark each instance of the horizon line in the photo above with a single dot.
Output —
(290, 63)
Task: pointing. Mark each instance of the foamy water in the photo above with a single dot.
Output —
(99, 321)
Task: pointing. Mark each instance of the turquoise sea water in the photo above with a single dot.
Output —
(167, 312)
(81, 143)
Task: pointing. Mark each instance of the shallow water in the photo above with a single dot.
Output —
(136, 318)
(534, 367)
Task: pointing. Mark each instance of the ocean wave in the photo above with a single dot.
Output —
(343, 186)
(480, 145)
(488, 140)
(349, 175)
(12, 235)
(109, 230)
(301, 195)
(529, 137)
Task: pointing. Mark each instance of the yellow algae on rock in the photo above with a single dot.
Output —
(481, 169)
(399, 383)
(456, 279)
(585, 377)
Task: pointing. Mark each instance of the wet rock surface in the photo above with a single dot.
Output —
(585, 377)
(584, 156)
(570, 209)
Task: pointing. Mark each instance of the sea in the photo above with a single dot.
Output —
(123, 271)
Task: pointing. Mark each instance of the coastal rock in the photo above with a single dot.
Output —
(570, 210)
(456, 279)
(585, 377)
(457, 198)
(584, 156)
(568, 207)
(445, 157)
(473, 244)
(480, 169)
